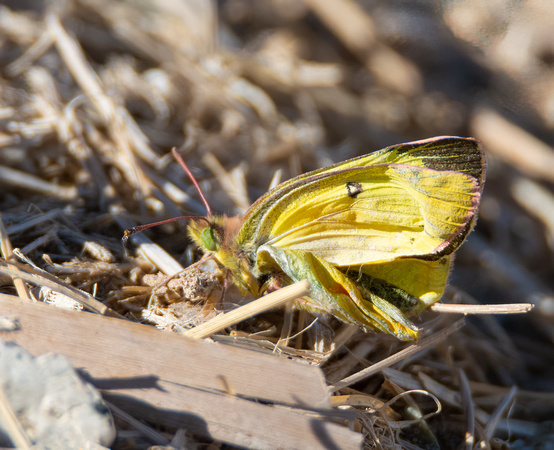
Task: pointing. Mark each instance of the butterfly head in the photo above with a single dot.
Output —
(217, 235)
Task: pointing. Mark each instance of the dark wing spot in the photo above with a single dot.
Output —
(353, 189)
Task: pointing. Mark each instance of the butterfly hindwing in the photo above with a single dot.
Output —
(333, 291)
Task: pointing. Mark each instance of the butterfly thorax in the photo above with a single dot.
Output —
(217, 235)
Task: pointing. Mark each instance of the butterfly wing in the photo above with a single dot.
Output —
(367, 215)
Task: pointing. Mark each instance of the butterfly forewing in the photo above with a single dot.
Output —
(367, 214)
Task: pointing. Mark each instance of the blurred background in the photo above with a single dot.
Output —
(94, 93)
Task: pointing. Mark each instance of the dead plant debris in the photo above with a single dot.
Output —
(94, 94)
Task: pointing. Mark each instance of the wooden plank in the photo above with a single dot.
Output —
(234, 420)
(181, 382)
(112, 348)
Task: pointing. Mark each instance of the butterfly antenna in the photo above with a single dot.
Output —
(139, 228)
(181, 162)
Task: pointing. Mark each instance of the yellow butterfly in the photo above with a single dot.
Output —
(373, 235)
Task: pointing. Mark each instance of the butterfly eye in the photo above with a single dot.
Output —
(209, 239)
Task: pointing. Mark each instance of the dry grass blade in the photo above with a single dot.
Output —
(30, 223)
(11, 425)
(514, 308)
(7, 254)
(23, 180)
(397, 357)
(81, 70)
(506, 139)
(356, 30)
(536, 199)
(236, 190)
(496, 416)
(469, 413)
(47, 280)
(156, 437)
